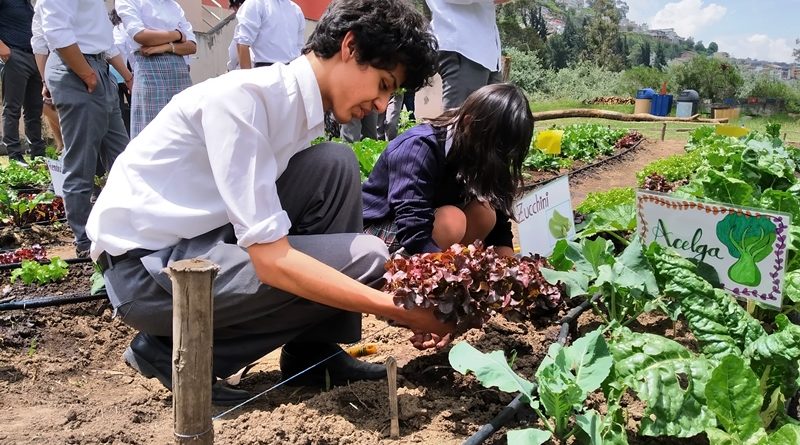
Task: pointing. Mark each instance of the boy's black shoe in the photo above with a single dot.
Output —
(341, 368)
(152, 357)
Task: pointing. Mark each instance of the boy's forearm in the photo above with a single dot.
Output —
(243, 51)
(283, 267)
(74, 59)
(41, 63)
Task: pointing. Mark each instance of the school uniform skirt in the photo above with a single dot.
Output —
(156, 80)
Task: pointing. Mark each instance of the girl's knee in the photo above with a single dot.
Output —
(481, 219)
(449, 226)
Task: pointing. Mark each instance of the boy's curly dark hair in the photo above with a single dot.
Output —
(386, 33)
(492, 134)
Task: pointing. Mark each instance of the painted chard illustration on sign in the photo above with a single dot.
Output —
(559, 225)
(750, 239)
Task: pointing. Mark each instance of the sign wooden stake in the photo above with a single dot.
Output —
(192, 332)
(391, 372)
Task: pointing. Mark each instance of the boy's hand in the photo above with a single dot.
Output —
(428, 341)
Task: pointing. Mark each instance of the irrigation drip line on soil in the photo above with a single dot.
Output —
(50, 301)
(68, 261)
(282, 382)
(510, 410)
(529, 187)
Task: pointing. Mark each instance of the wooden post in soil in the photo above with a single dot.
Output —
(391, 373)
(663, 131)
(192, 332)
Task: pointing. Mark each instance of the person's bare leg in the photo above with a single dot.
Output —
(449, 226)
(481, 219)
(51, 115)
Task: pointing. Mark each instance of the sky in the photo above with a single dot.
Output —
(759, 29)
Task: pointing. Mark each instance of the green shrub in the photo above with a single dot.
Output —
(713, 78)
(610, 198)
(527, 71)
(642, 77)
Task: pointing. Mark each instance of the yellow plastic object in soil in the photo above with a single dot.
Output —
(549, 141)
(732, 131)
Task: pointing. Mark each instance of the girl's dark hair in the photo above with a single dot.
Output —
(386, 33)
(491, 134)
(114, 17)
(235, 3)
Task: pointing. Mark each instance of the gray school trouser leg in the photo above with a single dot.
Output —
(92, 126)
(358, 129)
(461, 76)
(321, 192)
(389, 120)
(22, 95)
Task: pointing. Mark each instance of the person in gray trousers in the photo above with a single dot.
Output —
(85, 96)
(21, 83)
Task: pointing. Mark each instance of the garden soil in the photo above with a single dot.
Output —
(63, 381)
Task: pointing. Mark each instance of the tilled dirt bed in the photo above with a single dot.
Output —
(63, 380)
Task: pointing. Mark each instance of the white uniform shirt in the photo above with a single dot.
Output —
(138, 15)
(468, 27)
(211, 156)
(273, 29)
(38, 42)
(125, 46)
(85, 22)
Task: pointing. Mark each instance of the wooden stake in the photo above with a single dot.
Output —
(663, 131)
(192, 332)
(391, 371)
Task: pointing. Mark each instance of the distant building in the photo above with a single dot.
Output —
(665, 35)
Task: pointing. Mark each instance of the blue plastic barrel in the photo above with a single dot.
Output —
(661, 105)
(645, 93)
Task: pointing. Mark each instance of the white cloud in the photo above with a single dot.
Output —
(758, 46)
(687, 16)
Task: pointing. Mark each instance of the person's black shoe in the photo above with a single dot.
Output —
(340, 369)
(152, 358)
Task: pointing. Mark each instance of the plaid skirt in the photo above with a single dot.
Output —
(156, 80)
(385, 230)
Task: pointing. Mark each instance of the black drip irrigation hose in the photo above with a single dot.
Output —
(510, 410)
(68, 261)
(536, 184)
(50, 301)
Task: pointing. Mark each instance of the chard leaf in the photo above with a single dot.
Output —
(719, 324)
(669, 378)
(575, 283)
(734, 395)
(781, 201)
(780, 352)
(786, 435)
(727, 189)
(528, 436)
(718, 437)
(490, 369)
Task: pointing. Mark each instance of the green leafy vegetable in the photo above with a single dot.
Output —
(32, 272)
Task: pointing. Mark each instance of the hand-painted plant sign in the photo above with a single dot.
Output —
(748, 238)
(745, 247)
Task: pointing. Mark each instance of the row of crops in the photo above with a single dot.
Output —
(735, 382)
